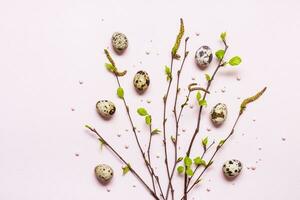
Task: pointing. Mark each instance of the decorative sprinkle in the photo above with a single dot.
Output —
(238, 78)
(208, 129)
(126, 146)
(207, 190)
(72, 109)
(76, 154)
(80, 82)
(148, 101)
(119, 135)
(283, 139)
(197, 34)
(108, 190)
(147, 52)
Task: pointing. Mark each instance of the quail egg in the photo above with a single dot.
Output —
(104, 173)
(119, 42)
(218, 114)
(141, 81)
(106, 108)
(232, 168)
(203, 56)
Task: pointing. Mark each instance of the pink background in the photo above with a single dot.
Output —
(48, 47)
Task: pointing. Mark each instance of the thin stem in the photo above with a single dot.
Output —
(177, 116)
(124, 161)
(214, 154)
(220, 64)
(149, 167)
(165, 98)
(149, 157)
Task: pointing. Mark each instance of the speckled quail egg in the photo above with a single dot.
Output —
(106, 108)
(203, 56)
(119, 42)
(104, 173)
(218, 114)
(232, 168)
(141, 81)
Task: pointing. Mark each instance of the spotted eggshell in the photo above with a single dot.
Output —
(141, 81)
(119, 42)
(219, 113)
(104, 173)
(203, 56)
(106, 108)
(232, 168)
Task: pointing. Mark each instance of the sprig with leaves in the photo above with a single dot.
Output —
(128, 166)
(222, 142)
(220, 54)
(120, 93)
(148, 120)
(169, 71)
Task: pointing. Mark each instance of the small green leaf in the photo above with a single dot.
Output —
(207, 77)
(110, 67)
(189, 171)
(102, 143)
(126, 169)
(173, 139)
(187, 161)
(155, 131)
(220, 54)
(234, 61)
(205, 141)
(120, 92)
(168, 72)
(223, 36)
(202, 102)
(199, 161)
(198, 96)
(179, 159)
(142, 111)
(221, 143)
(148, 119)
(180, 169)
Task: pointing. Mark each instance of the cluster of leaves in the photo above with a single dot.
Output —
(188, 162)
(234, 61)
(201, 101)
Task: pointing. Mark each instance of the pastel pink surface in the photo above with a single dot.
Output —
(52, 75)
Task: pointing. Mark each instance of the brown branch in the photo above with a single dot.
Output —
(220, 64)
(123, 160)
(176, 118)
(214, 154)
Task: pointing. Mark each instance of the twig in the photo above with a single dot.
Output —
(220, 64)
(177, 116)
(123, 160)
(202, 156)
(214, 154)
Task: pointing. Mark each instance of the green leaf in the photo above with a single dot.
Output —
(223, 36)
(234, 61)
(220, 54)
(202, 102)
(179, 159)
(126, 169)
(187, 161)
(148, 119)
(155, 131)
(198, 96)
(199, 161)
(180, 169)
(189, 171)
(102, 143)
(168, 72)
(173, 139)
(120, 92)
(110, 67)
(205, 141)
(221, 143)
(207, 77)
(142, 111)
